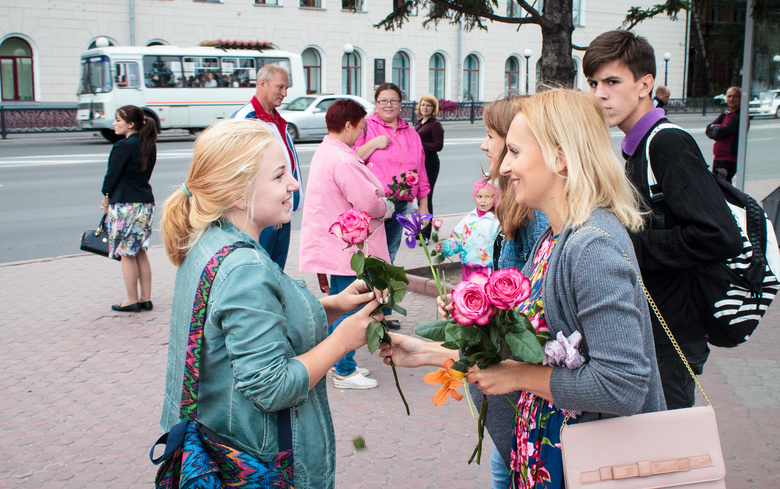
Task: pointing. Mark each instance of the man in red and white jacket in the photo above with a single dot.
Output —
(272, 84)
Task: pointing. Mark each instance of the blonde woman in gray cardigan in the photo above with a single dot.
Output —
(560, 161)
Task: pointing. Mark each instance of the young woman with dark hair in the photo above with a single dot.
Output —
(128, 203)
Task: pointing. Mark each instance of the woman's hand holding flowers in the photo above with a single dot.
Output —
(352, 330)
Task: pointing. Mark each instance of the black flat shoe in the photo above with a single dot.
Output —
(136, 307)
(146, 306)
(393, 324)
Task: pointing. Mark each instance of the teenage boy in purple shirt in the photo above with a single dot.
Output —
(690, 227)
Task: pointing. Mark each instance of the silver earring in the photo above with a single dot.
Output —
(244, 209)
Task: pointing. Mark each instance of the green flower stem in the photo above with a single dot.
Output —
(468, 397)
(441, 287)
(398, 386)
(480, 431)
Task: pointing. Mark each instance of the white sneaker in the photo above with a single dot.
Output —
(354, 381)
(361, 370)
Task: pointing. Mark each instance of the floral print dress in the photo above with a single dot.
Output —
(536, 452)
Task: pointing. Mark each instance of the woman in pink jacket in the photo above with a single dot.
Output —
(338, 181)
(393, 149)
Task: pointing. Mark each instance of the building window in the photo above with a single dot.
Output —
(401, 73)
(16, 73)
(353, 5)
(471, 78)
(512, 76)
(311, 3)
(350, 74)
(312, 69)
(514, 10)
(274, 3)
(436, 75)
(576, 13)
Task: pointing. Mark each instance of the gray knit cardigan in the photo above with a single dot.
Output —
(590, 287)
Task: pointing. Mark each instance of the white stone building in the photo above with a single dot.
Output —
(41, 42)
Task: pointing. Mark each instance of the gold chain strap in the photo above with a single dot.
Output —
(657, 314)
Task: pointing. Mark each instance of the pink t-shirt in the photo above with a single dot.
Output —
(403, 153)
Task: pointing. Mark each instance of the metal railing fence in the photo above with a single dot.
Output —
(41, 117)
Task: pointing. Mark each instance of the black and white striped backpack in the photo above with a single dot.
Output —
(734, 295)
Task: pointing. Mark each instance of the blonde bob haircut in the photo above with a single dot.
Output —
(572, 126)
(225, 163)
(431, 100)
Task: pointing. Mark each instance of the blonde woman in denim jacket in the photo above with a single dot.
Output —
(265, 344)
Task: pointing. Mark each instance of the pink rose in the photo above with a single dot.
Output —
(412, 178)
(437, 223)
(506, 289)
(471, 304)
(352, 226)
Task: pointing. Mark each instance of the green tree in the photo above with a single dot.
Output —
(731, 38)
(554, 20)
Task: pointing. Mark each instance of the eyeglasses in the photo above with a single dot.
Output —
(392, 101)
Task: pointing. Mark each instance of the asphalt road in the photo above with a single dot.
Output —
(50, 184)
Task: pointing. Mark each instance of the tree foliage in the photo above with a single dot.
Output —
(555, 22)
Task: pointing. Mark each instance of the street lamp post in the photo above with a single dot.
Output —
(348, 50)
(527, 54)
(667, 57)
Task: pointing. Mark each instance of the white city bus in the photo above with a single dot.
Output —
(180, 88)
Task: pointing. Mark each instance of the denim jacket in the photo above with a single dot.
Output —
(257, 320)
(514, 254)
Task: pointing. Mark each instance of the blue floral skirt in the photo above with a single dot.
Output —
(129, 228)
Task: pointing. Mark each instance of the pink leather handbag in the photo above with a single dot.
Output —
(677, 448)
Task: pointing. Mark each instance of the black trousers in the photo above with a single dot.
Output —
(432, 166)
(729, 166)
(679, 387)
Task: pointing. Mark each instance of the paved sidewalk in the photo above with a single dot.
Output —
(81, 390)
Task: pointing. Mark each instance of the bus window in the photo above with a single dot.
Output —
(162, 71)
(95, 75)
(126, 75)
(202, 72)
(283, 62)
(238, 72)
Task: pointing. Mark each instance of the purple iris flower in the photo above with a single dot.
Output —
(413, 226)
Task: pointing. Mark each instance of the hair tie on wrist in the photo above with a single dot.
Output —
(184, 189)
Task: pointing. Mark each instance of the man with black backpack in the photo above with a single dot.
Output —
(689, 226)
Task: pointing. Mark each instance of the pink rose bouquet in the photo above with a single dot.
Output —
(353, 228)
(486, 328)
(401, 188)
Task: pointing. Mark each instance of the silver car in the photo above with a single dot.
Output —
(767, 103)
(305, 115)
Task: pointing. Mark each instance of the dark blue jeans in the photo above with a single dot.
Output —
(394, 232)
(276, 242)
(347, 364)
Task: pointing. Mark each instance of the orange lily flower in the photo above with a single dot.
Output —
(450, 380)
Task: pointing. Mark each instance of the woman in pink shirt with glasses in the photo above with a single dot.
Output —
(391, 149)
